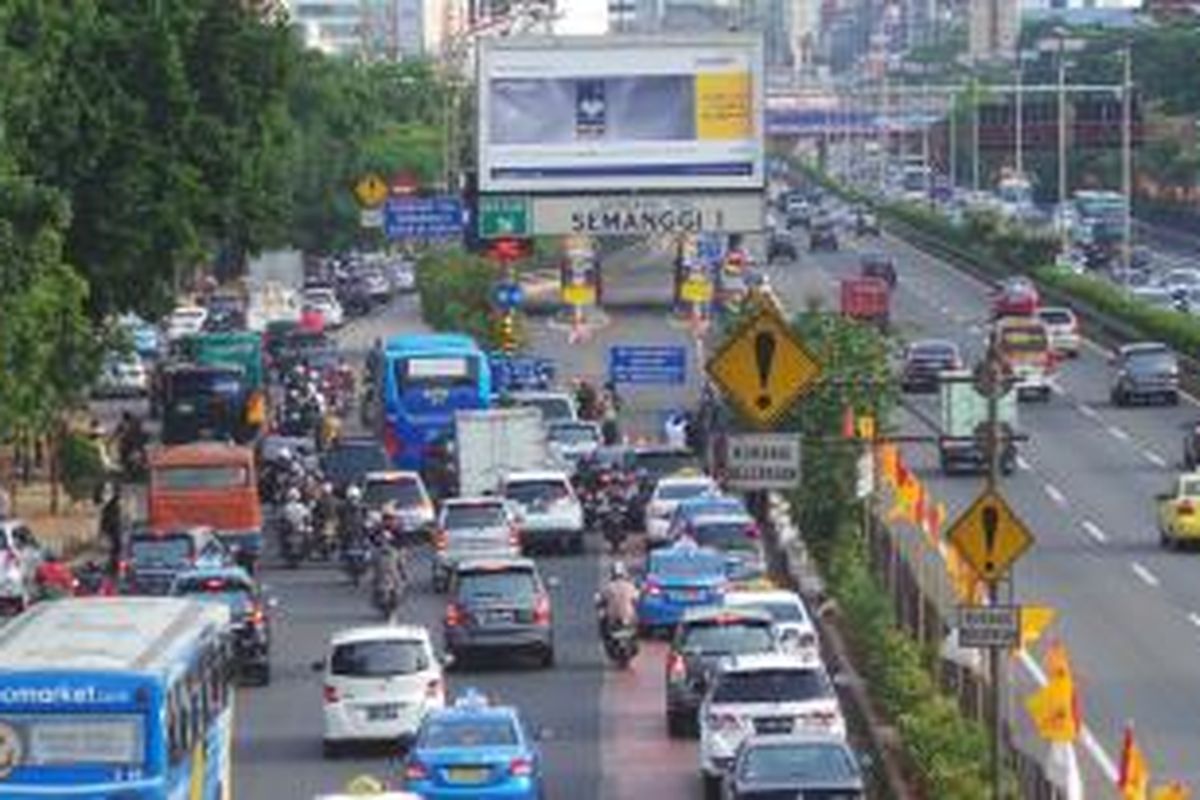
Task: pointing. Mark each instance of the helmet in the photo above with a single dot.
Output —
(617, 571)
(285, 454)
(353, 493)
(293, 495)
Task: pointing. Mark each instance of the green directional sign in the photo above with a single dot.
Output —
(503, 215)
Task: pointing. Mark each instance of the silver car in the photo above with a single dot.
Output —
(472, 528)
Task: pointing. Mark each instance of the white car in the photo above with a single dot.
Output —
(378, 683)
(20, 556)
(794, 629)
(546, 508)
(763, 693)
(185, 321)
(404, 276)
(555, 406)
(325, 301)
(574, 440)
(1063, 329)
(122, 376)
(667, 494)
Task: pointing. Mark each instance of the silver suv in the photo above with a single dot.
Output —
(472, 527)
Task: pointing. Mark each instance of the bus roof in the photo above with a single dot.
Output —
(100, 633)
(199, 454)
(431, 342)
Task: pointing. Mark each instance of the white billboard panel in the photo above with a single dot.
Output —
(590, 114)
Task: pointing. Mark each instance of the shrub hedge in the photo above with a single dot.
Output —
(456, 294)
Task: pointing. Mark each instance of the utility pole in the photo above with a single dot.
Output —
(953, 155)
(1062, 140)
(1127, 154)
(974, 137)
(1019, 131)
(996, 387)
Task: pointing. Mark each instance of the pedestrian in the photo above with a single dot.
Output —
(676, 430)
(5, 504)
(111, 526)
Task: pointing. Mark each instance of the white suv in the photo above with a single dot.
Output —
(763, 693)
(379, 682)
(547, 510)
(794, 629)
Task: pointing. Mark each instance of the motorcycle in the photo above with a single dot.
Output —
(355, 558)
(621, 645)
(611, 515)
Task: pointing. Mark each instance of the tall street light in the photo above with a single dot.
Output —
(1127, 153)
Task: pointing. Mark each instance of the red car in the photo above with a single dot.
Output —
(1016, 297)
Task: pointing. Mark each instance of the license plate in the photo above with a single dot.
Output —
(773, 726)
(498, 617)
(382, 713)
(467, 774)
(689, 594)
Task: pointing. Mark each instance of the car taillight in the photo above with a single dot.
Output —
(331, 694)
(441, 540)
(653, 589)
(433, 689)
(541, 611)
(514, 536)
(415, 771)
(1185, 508)
(521, 767)
(257, 615)
(676, 668)
(720, 722)
(454, 616)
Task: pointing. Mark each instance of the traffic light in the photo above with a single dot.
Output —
(508, 332)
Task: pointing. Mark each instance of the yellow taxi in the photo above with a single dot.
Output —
(1179, 511)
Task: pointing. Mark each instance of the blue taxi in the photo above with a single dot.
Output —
(677, 578)
(476, 750)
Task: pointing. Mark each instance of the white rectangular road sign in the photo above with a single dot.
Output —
(762, 461)
(648, 214)
(989, 626)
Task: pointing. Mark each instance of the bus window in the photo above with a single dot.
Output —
(436, 373)
(207, 477)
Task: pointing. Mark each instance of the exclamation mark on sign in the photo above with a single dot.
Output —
(764, 354)
(991, 520)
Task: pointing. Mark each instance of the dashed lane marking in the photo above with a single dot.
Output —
(1194, 618)
(1154, 458)
(1088, 411)
(1055, 494)
(1148, 577)
(1118, 433)
(1093, 530)
(1023, 463)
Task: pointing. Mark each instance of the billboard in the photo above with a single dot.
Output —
(588, 114)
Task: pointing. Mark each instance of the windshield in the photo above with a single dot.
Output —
(403, 492)
(192, 478)
(444, 732)
(732, 638)
(1152, 361)
(1055, 316)
(510, 586)
(933, 352)
(695, 565)
(797, 763)
(574, 434)
(484, 515)
(443, 372)
(233, 592)
(536, 492)
(683, 491)
(164, 551)
(193, 383)
(772, 686)
(379, 658)
(349, 462)
(783, 612)
(724, 535)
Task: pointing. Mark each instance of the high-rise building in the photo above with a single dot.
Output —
(994, 27)
(377, 29)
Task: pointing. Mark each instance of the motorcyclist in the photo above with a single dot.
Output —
(617, 601)
(54, 578)
(351, 516)
(587, 399)
(296, 514)
(131, 444)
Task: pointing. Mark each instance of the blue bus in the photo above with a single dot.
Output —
(123, 697)
(426, 377)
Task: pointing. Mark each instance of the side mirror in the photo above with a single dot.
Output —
(317, 666)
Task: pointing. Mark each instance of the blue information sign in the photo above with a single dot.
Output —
(508, 295)
(423, 217)
(511, 373)
(647, 364)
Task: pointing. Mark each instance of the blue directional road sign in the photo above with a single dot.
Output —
(423, 217)
(508, 295)
(647, 364)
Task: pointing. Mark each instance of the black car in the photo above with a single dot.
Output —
(153, 559)
(350, 459)
(250, 625)
(795, 765)
(781, 246)
(822, 235)
(1146, 371)
(652, 462)
(499, 606)
(878, 265)
(703, 639)
(925, 361)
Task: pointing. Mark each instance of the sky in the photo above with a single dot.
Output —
(582, 16)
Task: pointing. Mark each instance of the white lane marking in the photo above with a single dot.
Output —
(945, 310)
(1055, 494)
(1194, 618)
(1148, 577)
(1088, 411)
(1023, 464)
(1154, 458)
(1118, 433)
(1094, 531)
(1103, 760)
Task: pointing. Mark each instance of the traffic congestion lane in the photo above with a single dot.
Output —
(1095, 468)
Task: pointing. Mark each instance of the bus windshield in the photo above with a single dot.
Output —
(441, 372)
(218, 476)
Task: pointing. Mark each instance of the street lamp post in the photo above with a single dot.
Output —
(1127, 154)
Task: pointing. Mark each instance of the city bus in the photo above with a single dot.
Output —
(426, 377)
(1101, 216)
(122, 697)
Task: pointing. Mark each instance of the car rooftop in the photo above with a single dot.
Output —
(535, 475)
(765, 596)
(392, 475)
(482, 500)
(683, 480)
(753, 662)
(368, 633)
(710, 613)
(495, 564)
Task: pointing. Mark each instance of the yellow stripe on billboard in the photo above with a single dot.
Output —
(724, 106)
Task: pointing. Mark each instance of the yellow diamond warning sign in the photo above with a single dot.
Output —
(764, 368)
(990, 537)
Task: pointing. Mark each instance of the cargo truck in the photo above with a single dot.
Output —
(962, 444)
(491, 443)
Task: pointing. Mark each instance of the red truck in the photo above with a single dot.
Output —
(867, 299)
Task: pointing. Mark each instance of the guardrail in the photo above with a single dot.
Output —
(1098, 326)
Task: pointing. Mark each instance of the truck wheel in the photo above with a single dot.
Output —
(677, 725)
(577, 543)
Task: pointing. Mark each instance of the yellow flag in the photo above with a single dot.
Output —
(1171, 791)
(889, 460)
(1133, 781)
(1053, 710)
(1056, 661)
(866, 427)
(1034, 621)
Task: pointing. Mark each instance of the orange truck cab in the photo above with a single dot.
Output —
(209, 484)
(1024, 344)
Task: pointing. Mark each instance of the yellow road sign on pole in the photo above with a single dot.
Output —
(764, 368)
(371, 190)
(696, 289)
(990, 537)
